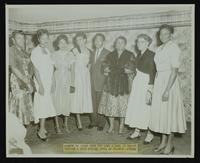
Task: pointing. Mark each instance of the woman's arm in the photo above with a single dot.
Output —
(171, 81)
(38, 79)
(19, 75)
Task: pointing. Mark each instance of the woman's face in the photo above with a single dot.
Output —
(80, 41)
(142, 44)
(19, 40)
(165, 35)
(43, 40)
(120, 44)
(62, 44)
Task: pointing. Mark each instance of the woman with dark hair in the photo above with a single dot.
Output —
(64, 76)
(138, 112)
(118, 65)
(21, 83)
(167, 112)
(45, 82)
(82, 96)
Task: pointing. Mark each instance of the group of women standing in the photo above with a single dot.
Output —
(142, 90)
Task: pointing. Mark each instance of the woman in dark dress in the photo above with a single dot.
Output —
(118, 65)
(138, 112)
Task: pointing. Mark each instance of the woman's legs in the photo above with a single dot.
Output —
(79, 121)
(66, 124)
(42, 130)
(163, 143)
(121, 125)
(57, 127)
(111, 121)
(170, 144)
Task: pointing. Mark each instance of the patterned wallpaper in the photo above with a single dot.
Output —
(182, 36)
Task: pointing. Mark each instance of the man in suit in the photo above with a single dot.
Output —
(97, 80)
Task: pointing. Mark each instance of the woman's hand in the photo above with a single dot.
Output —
(41, 90)
(165, 96)
(148, 97)
(128, 71)
(30, 87)
(106, 71)
(53, 87)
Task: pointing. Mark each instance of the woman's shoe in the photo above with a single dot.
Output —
(147, 142)
(135, 135)
(148, 139)
(80, 129)
(132, 138)
(170, 152)
(58, 131)
(66, 129)
(45, 131)
(110, 131)
(43, 139)
(159, 149)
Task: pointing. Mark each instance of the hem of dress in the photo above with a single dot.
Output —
(38, 119)
(133, 126)
(180, 132)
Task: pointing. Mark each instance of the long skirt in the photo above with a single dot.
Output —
(168, 116)
(20, 102)
(138, 112)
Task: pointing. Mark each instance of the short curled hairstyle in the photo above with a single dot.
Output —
(145, 37)
(79, 34)
(56, 42)
(41, 32)
(170, 28)
(14, 33)
(120, 38)
(100, 35)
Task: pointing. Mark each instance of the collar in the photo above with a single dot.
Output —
(100, 49)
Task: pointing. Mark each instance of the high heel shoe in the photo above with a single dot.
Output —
(110, 132)
(147, 142)
(43, 139)
(58, 130)
(158, 150)
(170, 152)
(135, 135)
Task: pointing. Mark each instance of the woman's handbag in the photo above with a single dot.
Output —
(72, 89)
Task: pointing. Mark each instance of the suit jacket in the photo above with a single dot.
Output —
(97, 76)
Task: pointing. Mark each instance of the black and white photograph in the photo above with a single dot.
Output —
(100, 80)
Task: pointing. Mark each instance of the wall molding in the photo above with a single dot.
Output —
(127, 22)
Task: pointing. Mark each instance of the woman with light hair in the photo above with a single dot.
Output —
(138, 112)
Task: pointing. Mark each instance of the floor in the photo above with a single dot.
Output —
(92, 136)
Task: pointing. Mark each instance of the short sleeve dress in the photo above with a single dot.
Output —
(43, 104)
(64, 76)
(169, 116)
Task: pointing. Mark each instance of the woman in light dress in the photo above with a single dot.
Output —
(167, 112)
(64, 76)
(82, 102)
(138, 112)
(45, 82)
